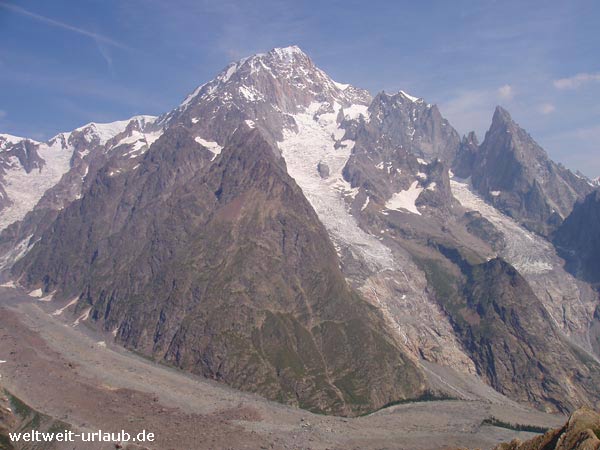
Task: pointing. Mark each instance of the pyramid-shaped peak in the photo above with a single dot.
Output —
(501, 116)
(470, 138)
(288, 52)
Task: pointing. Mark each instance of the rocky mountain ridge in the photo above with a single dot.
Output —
(198, 206)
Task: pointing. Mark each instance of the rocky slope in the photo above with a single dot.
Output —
(512, 172)
(581, 432)
(511, 336)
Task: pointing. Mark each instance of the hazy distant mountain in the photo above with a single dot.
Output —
(578, 238)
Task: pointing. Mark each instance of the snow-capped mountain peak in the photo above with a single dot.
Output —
(412, 98)
(274, 77)
(103, 132)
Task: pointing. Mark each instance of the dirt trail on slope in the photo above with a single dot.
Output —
(76, 375)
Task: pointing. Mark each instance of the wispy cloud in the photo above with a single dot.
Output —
(546, 108)
(576, 80)
(65, 26)
(105, 53)
(2, 114)
(506, 92)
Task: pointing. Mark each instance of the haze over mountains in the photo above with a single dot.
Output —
(293, 236)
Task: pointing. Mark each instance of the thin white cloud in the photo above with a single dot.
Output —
(105, 53)
(576, 80)
(546, 108)
(506, 92)
(2, 114)
(55, 23)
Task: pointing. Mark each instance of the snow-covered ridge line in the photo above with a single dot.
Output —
(106, 131)
(24, 190)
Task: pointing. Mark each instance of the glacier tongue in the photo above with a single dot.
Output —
(303, 151)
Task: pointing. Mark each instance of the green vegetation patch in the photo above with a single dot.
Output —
(492, 421)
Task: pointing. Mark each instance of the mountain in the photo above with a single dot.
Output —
(293, 236)
(516, 175)
(578, 239)
(244, 282)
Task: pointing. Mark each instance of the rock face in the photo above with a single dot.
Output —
(578, 239)
(466, 156)
(581, 432)
(514, 344)
(410, 123)
(515, 175)
(223, 269)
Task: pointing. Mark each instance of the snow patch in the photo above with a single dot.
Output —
(214, 147)
(85, 316)
(363, 207)
(47, 298)
(58, 312)
(410, 97)
(406, 199)
(353, 112)
(36, 293)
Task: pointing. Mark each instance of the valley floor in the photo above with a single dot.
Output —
(73, 374)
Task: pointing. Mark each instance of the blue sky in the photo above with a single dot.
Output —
(66, 63)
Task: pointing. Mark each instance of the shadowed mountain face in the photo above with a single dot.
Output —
(224, 270)
(515, 174)
(578, 239)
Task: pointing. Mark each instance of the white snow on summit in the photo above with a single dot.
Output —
(24, 189)
(410, 97)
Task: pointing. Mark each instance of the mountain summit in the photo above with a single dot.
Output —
(516, 175)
